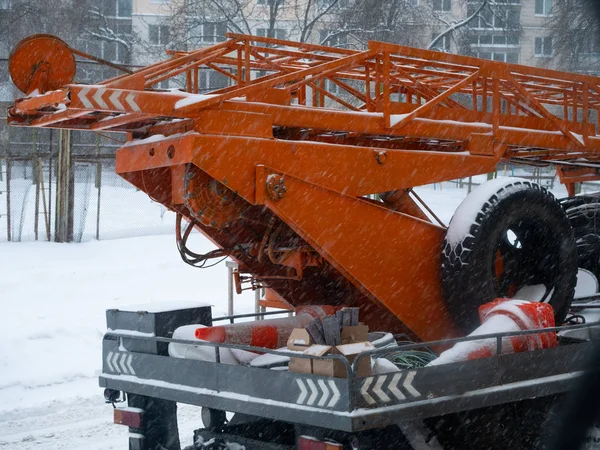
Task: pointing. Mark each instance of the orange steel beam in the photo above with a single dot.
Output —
(359, 245)
(119, 121)
(404, 117)
(325, 165)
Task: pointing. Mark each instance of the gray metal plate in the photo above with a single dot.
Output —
(347, 405)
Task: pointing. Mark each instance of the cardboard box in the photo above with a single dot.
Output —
(357, 333)
(299, 340)
(300, 365)
(333, 368)
(354, 341)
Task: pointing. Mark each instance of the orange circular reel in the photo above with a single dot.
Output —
(41, 62)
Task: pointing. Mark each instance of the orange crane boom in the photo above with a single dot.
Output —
(278, 169)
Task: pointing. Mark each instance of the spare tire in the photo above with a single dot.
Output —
(583, 213)
(508, 235)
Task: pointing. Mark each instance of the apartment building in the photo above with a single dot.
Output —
(515, 31)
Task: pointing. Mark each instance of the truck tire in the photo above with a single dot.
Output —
(584, 215)
(506, 235)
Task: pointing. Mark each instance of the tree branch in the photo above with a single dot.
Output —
(456, 25)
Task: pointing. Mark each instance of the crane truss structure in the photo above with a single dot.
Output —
(276, 167)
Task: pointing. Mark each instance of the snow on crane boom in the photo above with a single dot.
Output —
(276, 168)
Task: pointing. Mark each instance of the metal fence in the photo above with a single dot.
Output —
(100, 204)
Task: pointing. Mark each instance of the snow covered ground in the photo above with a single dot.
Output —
(53, 299)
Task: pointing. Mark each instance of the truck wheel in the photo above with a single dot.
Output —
(508, 238)
(584, 215)
(213, 419)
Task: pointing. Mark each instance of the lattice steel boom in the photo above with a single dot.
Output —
(276, 167)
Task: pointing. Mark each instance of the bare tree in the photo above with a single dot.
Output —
(99, 26)
(294, 19)
(575, 34)
(397, 21)
(26, 17)
(81, 23)
(457, 25)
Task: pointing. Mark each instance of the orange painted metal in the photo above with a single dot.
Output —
(41, 63)
(286, 155)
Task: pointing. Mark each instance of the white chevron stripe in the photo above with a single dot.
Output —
(378, 391)
(122, 364)
(325, 396)
(336, 394)
(303, 392)
(130, 100)
(108, 361)
(114, 99)
(129, 366)
(115, 362)
(99, 100)
(393, 387)
(408, 384)
(365, 391)
(314, 392)
(82, 94)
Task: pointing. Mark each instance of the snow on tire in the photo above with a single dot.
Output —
(507, 238)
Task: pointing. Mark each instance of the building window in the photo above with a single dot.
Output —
(443, 45)
(508, 57)
(324, 4)
(5, 4)
(209, 80)
(115, 8)
(543, 46)
(442, 5)
(508, 17)
(278, 33)
(270, 2)
(158, 34)
(543, 7)
(590, 46)
(489, 40)
(214, 32)
(123, 8)
(113, 51)
(333, 39)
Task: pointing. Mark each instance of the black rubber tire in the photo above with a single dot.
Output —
(213, 419)
(584, 215)
(547, 256)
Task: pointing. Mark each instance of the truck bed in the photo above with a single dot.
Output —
(347, 404)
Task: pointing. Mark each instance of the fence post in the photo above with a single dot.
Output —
(98, 186)
(35, 175)
(65, 184)
(8, 221)
(41, 182)
(50, 183)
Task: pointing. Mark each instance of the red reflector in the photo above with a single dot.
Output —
(132, 417)
(311, 443)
